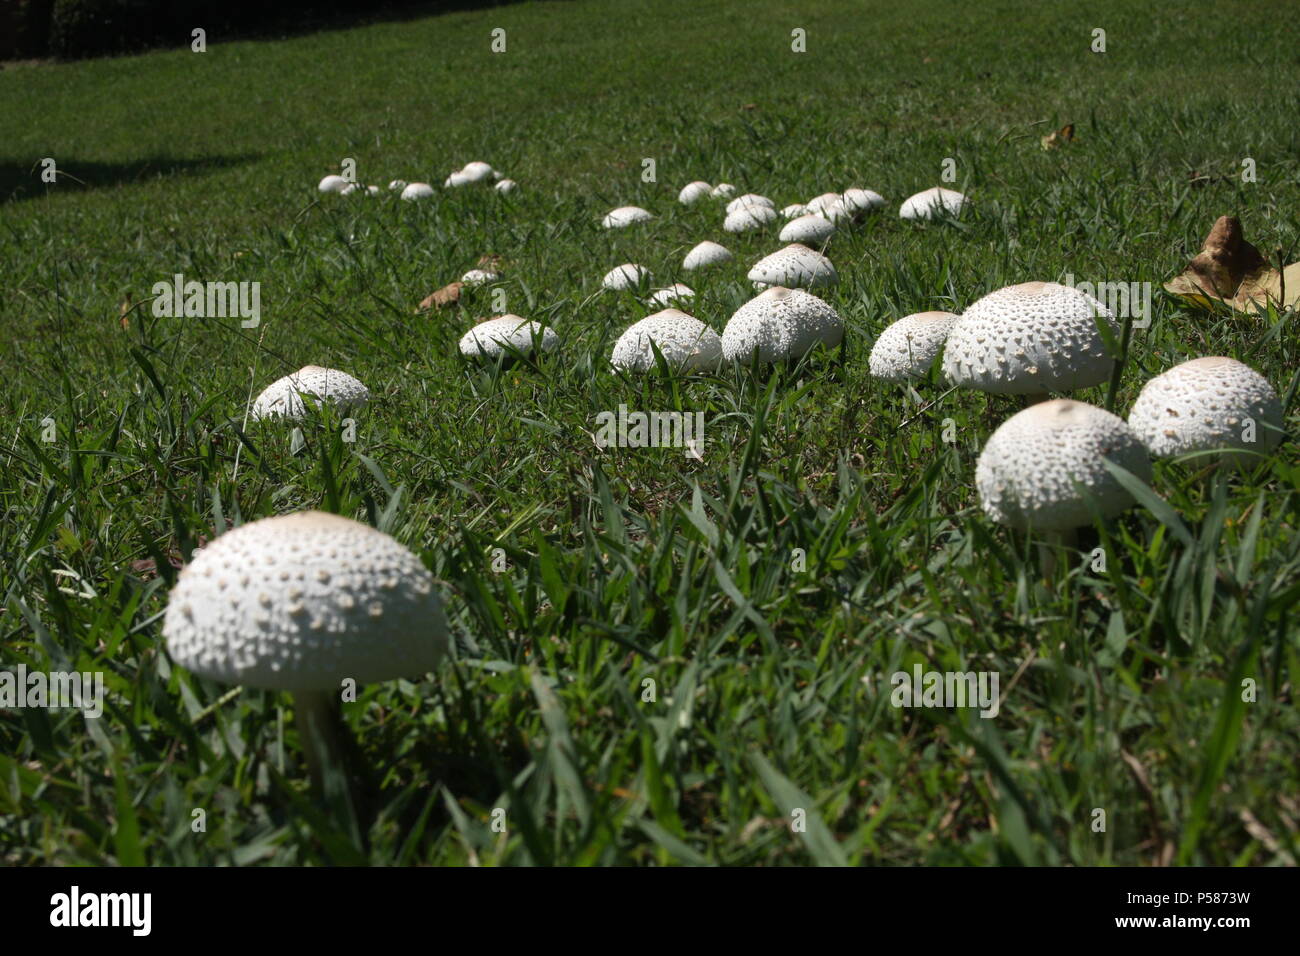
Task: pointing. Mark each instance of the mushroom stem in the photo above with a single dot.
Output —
(324, 741)
(1053, 543)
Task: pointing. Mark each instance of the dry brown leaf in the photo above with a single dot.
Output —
(490, 261)
(123, 311)
(1228, 269)
(1062, 136)
(447, 295)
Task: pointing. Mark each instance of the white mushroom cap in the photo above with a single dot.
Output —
(397, 185)
(477, 171)
(930, 203)
(795, 210)
(749, 199)
(782, 324)
(302, 602)
(456, 179)
(627, 276)
(373, 190)
(283, 398)
(722, 191)
(907, 348)
(506, 186)
(1205, 405)
(417, 191)
(488, 339)
(809, 228)
(625, 216)
(1029, 339)
(795, 265)
(819, 205)
(706, 254)
(749, 216)
(684, 341)
(350, 188)
(1027, 473)
(672, 293)
(478, 277)
(332, 184)
(693, 192)
(858, 201)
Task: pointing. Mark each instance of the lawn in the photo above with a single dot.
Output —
(658, 659)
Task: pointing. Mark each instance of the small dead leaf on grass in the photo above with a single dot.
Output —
(490, 261)
(447, 295)
(1062, 136)
(1231, 271)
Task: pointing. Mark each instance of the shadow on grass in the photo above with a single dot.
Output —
(22, 179)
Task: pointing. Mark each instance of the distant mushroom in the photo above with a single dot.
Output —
(780, 324)
(302, 603)
(673, 293)
(476, 172)
(1208, 404)
(723, 191)
(794, 266)
(810, 228)
(819, 205)
(794, 210)
(931, 203)
(908, 347)
(332, 184)
(1030, 339)
(749, 217)
(417, 191)
(625, 216)
(506, 186)
(456, 180)
(477, 277)
(706, 254)
(693, 192)
(858, 202)
(749, 199)
(684, 341)
(627, 276)
(497, 337)
(397, 185)
(283, 398)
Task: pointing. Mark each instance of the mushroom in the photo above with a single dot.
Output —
(397, 185)
(693, 192)
(506, 186)
(625, 216)
(819, 205)
(476, 172)
(477, 277)
(332, 184)
(748, 217)
(456, 180)
(749, 199)
(627, 276)
(780, 324)
(684, 341)
(497, 337)
(1208, 404)
(301, 603)
(722, 191)
(706, 254)
(672, 293)
(857, 202)
(417, 191)
(809, 228)
(1029, 339)
(1040, 467)
(795, 265)
(283, 398)
(794, 210)
(908, 347)
(931, 203)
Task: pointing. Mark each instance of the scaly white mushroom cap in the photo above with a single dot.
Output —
(749, 199)
(794, 266)
(782, 324)
(673, 293)
(488, 339)
(1027, 473)
(506, 186)
(302, 602)
(748, 217)
(1029, 339)
(283, 398)
(332, 184)
(397, 185)
(818, 205)
(809, 228)
(723, 191)
(417, 191)
(476, 172)
(1207, 404)
(706, 254)
(625, 216)
(859, 201)
(907, 348)
(627, 276)
(933, 202)
(478, 277)
(684, 341)
(795, 210)
(693, 192)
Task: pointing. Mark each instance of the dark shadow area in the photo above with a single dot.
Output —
(21, 179)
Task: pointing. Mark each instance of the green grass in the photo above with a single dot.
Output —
(1122, 689)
